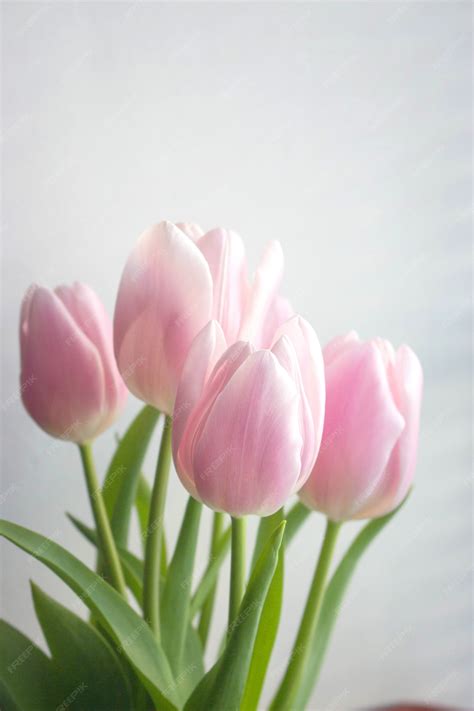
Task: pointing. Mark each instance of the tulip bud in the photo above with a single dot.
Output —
(368, 452)
(247, 423)
(70, 384)
(176, 279)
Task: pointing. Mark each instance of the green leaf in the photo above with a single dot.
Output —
(210, 574)
(131, 634)
(192, 663)
(88, 666)
(121, 481)
(142, 504)
(295, 518)
(131, 565)
(297, 515)
(333, 599)
(269, 619)
(223, 686)
(177, 589)
(29, 681)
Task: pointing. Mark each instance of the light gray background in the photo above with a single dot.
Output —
(343, 130)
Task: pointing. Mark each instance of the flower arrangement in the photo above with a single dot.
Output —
(254, 411)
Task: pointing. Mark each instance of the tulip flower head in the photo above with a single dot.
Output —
(368, 452)
(247, 422)
(70, 384)
(175, 281)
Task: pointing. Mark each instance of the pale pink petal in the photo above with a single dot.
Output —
(225, 253)
(205, 351)
(262, 293)
(280, 310)
(191, 229)
(285, 353)
(339, 345)
(61, 371)
(164, 300)
(90, 315)
(311, 365)
(225, 367)
(246, 459)
(398, 475)
(24, 314)
(362, 425)
(387, 351)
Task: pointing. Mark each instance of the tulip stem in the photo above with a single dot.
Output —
(107, 547)
(207, 608)
(286, 695)
(237, 569)
(154, 534)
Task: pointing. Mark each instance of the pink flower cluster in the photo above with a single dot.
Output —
(259, 411)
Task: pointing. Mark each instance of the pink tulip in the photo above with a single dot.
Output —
(247, 423)
(368, 453)
(176, 279)
(70, 383)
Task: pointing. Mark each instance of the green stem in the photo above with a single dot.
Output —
(237, 568)
(106, 541)
(206, 614)
(151, 571)
(210, 575)
(285, 697)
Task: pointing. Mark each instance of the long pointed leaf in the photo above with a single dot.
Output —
(177, 590)
(332, 602)
(295, 518)
(223, 685)
(142, 505)
(86, 662)
(131, 565)
(192, 663)
(131, 634)
(29, 681)
(297, 515)
(269, 619)
(121, 481)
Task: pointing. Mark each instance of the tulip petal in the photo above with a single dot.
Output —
(285, 353)
(206, 349)
(339, 345)
(90, 315)
(225, 253)
(25, 313)
(362, 425)
(256, 416)
(195, 420)
(280, 310)
(262, 294)
(193, 231)
(407, 386)
(164, 300)
(66, 390)
(311, 365)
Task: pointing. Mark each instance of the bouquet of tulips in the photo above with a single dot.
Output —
(252, 412)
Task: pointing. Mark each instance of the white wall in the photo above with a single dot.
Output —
(343, 130)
